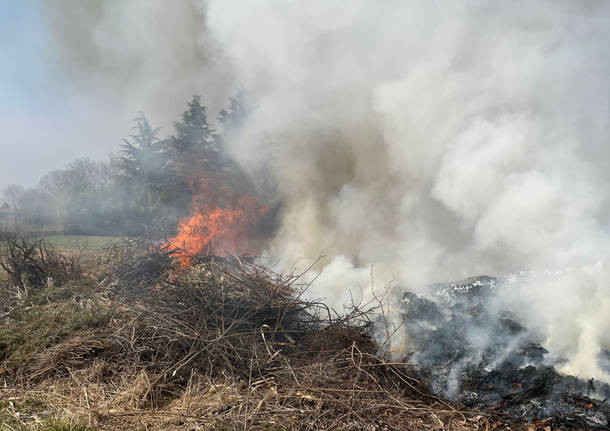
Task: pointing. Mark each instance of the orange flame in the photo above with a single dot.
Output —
(222, 230)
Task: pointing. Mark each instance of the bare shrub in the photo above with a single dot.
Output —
(32, 263)
(132, 264)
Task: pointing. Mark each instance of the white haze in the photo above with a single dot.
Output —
(437, 140)
(149, 55)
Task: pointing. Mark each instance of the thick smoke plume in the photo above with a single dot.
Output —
(433, 140)
(438, 140)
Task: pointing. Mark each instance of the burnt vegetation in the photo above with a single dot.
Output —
(510, 372)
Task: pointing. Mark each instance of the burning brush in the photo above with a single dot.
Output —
(221, 223)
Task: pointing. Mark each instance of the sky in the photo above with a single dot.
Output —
(39, 115)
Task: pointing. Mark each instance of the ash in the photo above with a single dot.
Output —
(471, 350)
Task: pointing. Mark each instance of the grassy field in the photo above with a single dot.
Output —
(86, 247)
(81, 242)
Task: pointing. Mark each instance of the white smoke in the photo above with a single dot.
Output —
(437, 140)
(121, 57)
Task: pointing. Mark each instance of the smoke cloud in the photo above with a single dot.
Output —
(139, 54)
(438, 140)
(433, 140)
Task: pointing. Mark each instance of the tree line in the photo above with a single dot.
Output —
(143, 189)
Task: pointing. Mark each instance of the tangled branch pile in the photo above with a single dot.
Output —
(221, 345)
(34, 263)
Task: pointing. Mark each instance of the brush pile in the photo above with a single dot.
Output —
(34, 263)
(222, 344)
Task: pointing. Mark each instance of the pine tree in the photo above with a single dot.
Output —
(142, 157)
(193, 148)
(233, 116)
(144, 177)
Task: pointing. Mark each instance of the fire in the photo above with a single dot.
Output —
(223, 230)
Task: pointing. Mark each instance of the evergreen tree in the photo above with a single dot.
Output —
(231, 120)
(193, 149)
(143, 177)
(232, 117)
(143, 158)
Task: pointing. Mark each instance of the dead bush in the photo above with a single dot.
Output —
(32, 263)
(132, 264)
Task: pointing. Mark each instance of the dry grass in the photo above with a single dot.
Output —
(221, 345)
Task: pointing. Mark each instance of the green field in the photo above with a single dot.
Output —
(86, 247)
(81, 242)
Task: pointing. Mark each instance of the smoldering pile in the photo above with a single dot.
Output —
(471, 350)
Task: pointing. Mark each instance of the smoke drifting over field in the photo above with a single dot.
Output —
(438, 140)
(435, 140)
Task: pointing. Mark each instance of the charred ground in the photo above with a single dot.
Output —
(473, 351)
